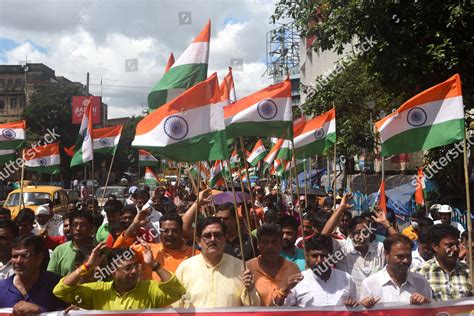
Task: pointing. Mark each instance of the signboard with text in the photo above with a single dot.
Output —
(79, 104)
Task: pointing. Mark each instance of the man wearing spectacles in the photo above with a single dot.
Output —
(126, 290)
(213, 278)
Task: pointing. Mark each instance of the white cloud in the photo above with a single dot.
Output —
(97, 36)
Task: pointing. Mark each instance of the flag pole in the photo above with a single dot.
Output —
(196, 188)
(252, 201)
(238, 224)
(468, 205)
(335, 176)
(291, 187)
(108, 175)
(247, 214)
(298, 210)
(305, 184)
(22, 200)
(328, 167)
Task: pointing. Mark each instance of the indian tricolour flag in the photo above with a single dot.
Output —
(264, 113)
(12, 135)
(188, 70)
(7, 155)
(271, 156)
(145, 158)
(150, 177)
(227, 89)
(313, 137)
(257, 154)
(234, 159)
(106, 139)
(189, 128)
(83, 149)
(433, 118)
(285, 151)
(43, 159)
(217, 174)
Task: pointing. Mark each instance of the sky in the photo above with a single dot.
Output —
(74, 37)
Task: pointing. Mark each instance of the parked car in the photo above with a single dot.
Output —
(73, 195)
(33, 196)
(119, 191)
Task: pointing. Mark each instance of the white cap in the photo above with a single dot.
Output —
(43, 210)
(435, 207)
(445, 209)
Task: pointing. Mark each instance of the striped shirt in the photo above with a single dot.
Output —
(446, 286)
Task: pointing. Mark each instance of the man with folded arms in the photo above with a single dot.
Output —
(213, 278)
(126, 291)
(395, 283)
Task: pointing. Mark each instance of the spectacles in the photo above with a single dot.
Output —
(208, 236)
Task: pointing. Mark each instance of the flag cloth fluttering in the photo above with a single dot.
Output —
(145, 158)
(169, 63)
(12, 135)
(106, 139)
(83, 149)
(188, 70)
(257, 154)
(189, 128)
(43, 159)
(264, 113)
(420, 186)
(227, 88)
(7, 155)
(217, 174)
(150, 177)
(432, 118)
(315, 136)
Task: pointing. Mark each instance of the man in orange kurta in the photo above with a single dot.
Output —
(271, 271)
(170, 252)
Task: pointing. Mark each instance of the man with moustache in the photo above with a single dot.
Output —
(271, 271)
(213, 278)
(395, 283)
(448, 277)
(320, 284)
(29, 291)
(289, 228)
(169, 253)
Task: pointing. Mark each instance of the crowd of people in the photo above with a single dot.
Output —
(169, 247)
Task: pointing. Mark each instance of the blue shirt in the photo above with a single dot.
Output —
(41, 293)
(298, 258)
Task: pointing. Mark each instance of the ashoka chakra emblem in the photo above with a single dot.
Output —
(8, 133)
(319, 133)
(42, 162)
(417, 116)
(104, 142)
(176, 127)
(267, 109)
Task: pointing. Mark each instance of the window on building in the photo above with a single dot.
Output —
(2, 105)
(13, 103)
(18, 82)
(2, 82)
(22, 102)
(10, 81)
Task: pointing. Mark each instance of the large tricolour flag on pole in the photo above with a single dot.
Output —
(106, 139)
(43, 159)
(257, 154)
(145, 158)
(188, 70)
(264, 113)
(313, 137)
(433, 118)
(12, 135)
(83, 149)
(189, 128)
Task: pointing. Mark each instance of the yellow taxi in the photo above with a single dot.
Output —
(33, 196)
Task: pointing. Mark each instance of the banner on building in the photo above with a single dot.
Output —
(79, 104)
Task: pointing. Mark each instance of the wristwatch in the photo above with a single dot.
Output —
(156, 266)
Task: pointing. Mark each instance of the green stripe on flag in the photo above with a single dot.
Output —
(179, 77)
(315, 148)
(282, 129)
(12, 144)
(423, 138)
(49, 169)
